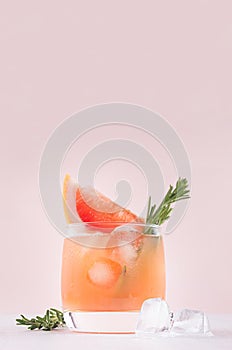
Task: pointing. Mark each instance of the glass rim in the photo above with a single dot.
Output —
(103, 234)
(113, 223)
(108, 228)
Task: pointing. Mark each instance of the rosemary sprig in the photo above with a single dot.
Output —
(52, 319)
(162, 213)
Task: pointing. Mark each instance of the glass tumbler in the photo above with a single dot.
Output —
(108, 270)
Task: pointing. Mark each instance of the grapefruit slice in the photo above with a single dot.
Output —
(104, 272)
(93, 206)
(69, 200)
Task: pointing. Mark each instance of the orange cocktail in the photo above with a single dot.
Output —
(111, 272)
(113, 260)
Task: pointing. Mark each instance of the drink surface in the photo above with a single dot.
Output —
(115, 278)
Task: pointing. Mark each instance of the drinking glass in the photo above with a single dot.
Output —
(108, 270)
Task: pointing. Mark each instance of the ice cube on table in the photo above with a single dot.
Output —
(190, 322)
(154, 317)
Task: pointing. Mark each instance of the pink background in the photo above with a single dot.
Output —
(173, 57)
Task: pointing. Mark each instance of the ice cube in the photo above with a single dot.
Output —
(154, 317)
(190, 322)
(124, 234)
(125, 255)
(104, 272)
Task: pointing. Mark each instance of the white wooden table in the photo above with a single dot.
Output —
(14, 337)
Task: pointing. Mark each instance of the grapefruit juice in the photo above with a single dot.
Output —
(117, 278)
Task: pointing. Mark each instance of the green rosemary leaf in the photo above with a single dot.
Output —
(52, 319)
(162, 213)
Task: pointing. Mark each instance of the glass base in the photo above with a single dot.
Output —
(102, 321)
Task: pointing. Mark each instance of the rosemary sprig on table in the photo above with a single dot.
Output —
(162, 213)
(52, 319)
